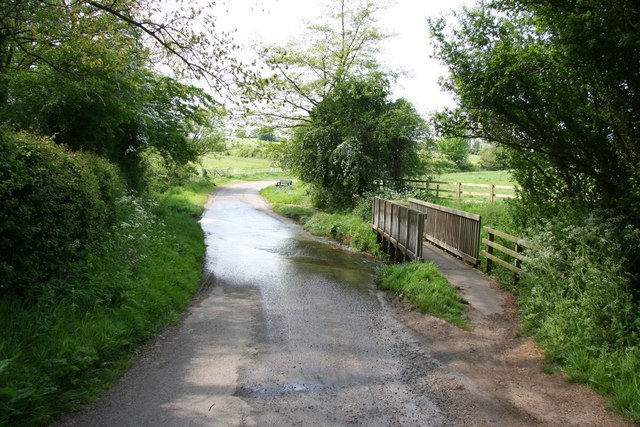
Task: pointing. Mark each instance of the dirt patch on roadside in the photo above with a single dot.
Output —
(507, 368)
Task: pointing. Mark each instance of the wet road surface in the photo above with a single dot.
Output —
(291, 331)
(320, 351)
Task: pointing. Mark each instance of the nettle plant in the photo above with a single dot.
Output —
(579, 290)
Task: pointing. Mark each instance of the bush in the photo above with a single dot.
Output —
(578, 289)
(53, 205)
(72, 342)
(493, 158)
(578, 303)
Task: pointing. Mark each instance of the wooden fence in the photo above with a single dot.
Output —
(457, 190)
(515, 253)
(399, 229)
(226, 172)
(214, 173)
(453, 230)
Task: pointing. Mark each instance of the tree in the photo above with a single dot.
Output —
(37, 32)
(343, 45)
(82, 71)
(493, 158)
(456, 150)
(241, 133)
(558, 84)
(353, 137)
(265, 133)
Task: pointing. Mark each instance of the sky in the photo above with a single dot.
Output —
(276, 21)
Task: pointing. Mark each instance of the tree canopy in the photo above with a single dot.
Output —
(353, 137)
(558, 83)
(340, 45)
(86, 72)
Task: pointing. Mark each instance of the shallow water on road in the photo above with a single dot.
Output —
(323, 350)
(290, 330)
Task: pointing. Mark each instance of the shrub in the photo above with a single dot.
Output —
(578, 303)
(53, 204)
(578, 292)
(72, 342)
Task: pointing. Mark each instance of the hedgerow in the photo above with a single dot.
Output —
(53, 204)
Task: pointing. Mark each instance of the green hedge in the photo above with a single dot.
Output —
(53, 204)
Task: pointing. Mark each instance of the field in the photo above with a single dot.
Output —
(479, 177)
(235, 163)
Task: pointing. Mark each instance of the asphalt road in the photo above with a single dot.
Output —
(290, 330)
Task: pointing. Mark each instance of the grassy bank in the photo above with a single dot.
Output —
(77, 335)
(427, 289)
(420, 283)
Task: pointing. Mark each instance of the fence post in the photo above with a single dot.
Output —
(491, 192)
(458, 190)
(490, 252)
(517, 263)
(406, 237)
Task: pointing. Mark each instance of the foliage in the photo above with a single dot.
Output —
(342, 44)
(353, 137)
(594, 304)
(250, 148)
(84, 74)
(455, 150)
(241, 133)
(577, 301)
(493, 158)
(63, 35)
(77, 337)
(54, 204)
(556, 83)
(265, 133)
(424, 286)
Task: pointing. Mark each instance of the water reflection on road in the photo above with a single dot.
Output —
(323, 350)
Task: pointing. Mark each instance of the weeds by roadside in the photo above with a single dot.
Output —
(424, 286)
(76, 336)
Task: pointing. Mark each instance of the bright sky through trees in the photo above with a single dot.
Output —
(276, 21)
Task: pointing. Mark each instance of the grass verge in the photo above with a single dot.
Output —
(76, 337)
(424, 286)
(348, 228)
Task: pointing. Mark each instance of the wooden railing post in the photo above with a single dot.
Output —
(406, 237)
(490, 252)
(491, 192)
(458, 190)
(517, 263)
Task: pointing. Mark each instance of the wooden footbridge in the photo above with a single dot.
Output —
(403, 230)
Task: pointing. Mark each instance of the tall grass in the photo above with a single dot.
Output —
(578, 303)
(65, 346)
(424, 286)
